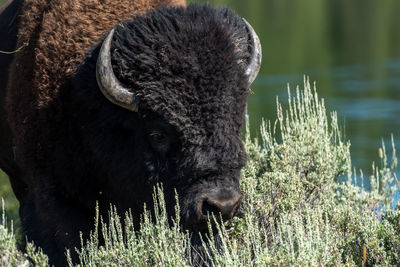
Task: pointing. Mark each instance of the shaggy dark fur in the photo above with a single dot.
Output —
(74, 147)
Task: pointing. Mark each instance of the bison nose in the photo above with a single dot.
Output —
(224, 202)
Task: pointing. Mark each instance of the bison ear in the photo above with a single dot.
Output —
(108, 83)
(255, 55)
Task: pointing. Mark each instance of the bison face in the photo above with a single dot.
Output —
(173, 86)
(206, 177)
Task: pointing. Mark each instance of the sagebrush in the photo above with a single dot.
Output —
(301, 207)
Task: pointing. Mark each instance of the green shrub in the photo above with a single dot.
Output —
(301, 207)
(10, 256)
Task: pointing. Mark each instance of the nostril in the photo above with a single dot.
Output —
(209, 208)
(227, 208)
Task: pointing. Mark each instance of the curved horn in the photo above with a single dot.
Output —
(108, 83)
(256, 55)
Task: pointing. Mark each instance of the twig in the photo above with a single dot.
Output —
(313, 185)
(397, 180)
(15, 51)
(364, 256)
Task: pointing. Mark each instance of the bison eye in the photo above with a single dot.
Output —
(161, 136)
(158, 137)
(159, 140)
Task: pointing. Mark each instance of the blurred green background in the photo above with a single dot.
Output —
(351, 48)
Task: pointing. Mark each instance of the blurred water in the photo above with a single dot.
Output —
(366, 116)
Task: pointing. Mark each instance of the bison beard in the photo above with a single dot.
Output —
(189, 69)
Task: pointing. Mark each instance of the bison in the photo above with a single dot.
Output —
(101, 100)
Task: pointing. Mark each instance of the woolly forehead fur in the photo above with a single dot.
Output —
(187, 67)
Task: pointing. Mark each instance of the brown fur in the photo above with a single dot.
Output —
(59, 33)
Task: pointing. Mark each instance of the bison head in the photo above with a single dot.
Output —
(175, 82)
